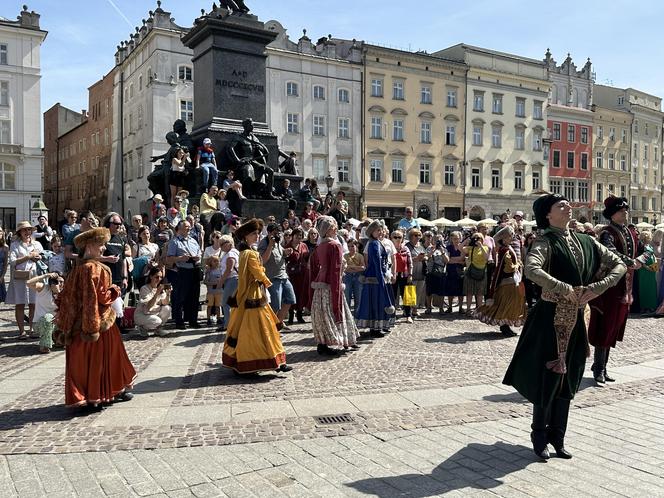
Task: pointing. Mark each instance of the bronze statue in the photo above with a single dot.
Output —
(235, 6)
(248, 158)
(288, 165)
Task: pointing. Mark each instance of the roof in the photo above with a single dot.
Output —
(474, 48)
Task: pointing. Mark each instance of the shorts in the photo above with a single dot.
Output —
(213, 299)
(281, 292)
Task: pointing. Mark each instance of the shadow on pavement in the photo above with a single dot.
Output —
(467, 468)
(15, 419)
(465, 337)
(505, 398)
(20, 348)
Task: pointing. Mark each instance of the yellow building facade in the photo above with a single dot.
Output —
(413, 134)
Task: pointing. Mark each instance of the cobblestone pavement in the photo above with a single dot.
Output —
(427, 416)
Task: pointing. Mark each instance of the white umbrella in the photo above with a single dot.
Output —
(527, 223)
(443, 222)
(353, 221)
(425, 223)
(643, 224)
(488, 221)
(659, 226)
(466, 222)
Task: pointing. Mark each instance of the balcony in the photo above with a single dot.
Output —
(11, 150)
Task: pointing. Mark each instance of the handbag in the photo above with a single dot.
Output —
(473, 272)
(21, 274)
(409, 295)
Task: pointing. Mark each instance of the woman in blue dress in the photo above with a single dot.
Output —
(454, 279)
(376, 310)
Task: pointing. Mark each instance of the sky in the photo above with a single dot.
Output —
(622, 38)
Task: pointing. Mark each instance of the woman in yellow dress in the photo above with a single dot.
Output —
(253, 343)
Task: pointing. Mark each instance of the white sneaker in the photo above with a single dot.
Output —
(409, 319)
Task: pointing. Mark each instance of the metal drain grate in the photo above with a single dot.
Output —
(334, 419)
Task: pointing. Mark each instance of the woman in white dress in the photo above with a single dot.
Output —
(24, 253)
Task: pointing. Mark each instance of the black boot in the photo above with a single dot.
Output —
(539, 436)
(558, 427)
(300, 318)
(291, 315)
(599, 365)
(606, 360)
(507, 331)
(376, 333)
(324, 349)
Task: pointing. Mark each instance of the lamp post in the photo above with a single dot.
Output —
(329, 181)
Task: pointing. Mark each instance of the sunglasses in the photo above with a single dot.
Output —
(116, 223)
(397, 237)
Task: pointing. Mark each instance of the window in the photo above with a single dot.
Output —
(319, 167)
(623, 191)
(623, 135)
(496, 136)
(520, 138)
(319, 126)
(520, 107)
(518, 180)
(343, 170)
(599, 192)
(570, 190)
(645, 152)
(600, 132)
(425, 132)
(536, 180)
(344, 128)
(397, 130)
(3, 54)
(497, 106)
(397, 90)
(131, 91)
(653, 204)
(584, 161)
(537, 109)
(376, 170)
(537, 140)
(644, 203)
(185, 73)
(495, 178)
(425, 173)
(106, 136)
(449, 175)
(621, 100)
(583, 191)
(425, 95)
(554, 186)
(4, 93)
(140, 83)
(5, 132)
(475, 178)
(319, 92)
(291, 89)
(344, 96)
(623, 163)
(451, 97)
(612, 160)
(477, 135)
(571, 134)
(636, 126)
(397, 171)
(598, 159)
(645, 129)
(570, 159)
(7, 176)
(292, 123)
(556, 131)
(376, 127)
(633, 203)
(450, 135)
(186, 110)
(478, 101)
(584, 135)
(612, 134)
(376, 88)
(556, 159)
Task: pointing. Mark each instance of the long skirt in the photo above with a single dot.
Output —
(508, 307)
(647, 289)
(96, 372)
(253, 343)
(326, 330)
(376, 310)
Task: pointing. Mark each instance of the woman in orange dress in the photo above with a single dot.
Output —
(253, 343)
(97, 368)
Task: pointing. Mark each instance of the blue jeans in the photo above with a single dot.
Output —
(230, 286)
(281, 292)
(209, 171)
(353, 288)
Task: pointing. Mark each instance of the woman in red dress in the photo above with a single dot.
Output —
(97, 368)
(297, 266)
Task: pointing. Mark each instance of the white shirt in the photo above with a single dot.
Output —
(235, 255)
(44, 303)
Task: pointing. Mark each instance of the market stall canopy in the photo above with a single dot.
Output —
(466, 222)
(444, 222)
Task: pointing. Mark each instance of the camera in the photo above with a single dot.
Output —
(439, 244)
(276, 237)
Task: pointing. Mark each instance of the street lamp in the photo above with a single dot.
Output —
(329, 181)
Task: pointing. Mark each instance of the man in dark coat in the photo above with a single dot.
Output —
(548, 363)
(609, 311)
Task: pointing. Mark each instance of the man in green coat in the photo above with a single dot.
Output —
(549, 360)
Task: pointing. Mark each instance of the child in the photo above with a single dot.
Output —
(222, 203)
(231, 183)
(45, 307)
(213, 273)
(184, 203)
(56, 263)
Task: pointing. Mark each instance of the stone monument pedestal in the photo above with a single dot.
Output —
(262, 208)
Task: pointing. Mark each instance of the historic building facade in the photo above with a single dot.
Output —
(77, 152)
(505, 129)
(314, 106)
(570, 121)
(153, 86)
(646, 148)
(611, 164)
(413, 134)
(20, 104)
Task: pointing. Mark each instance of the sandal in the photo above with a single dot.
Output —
(22, 336)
